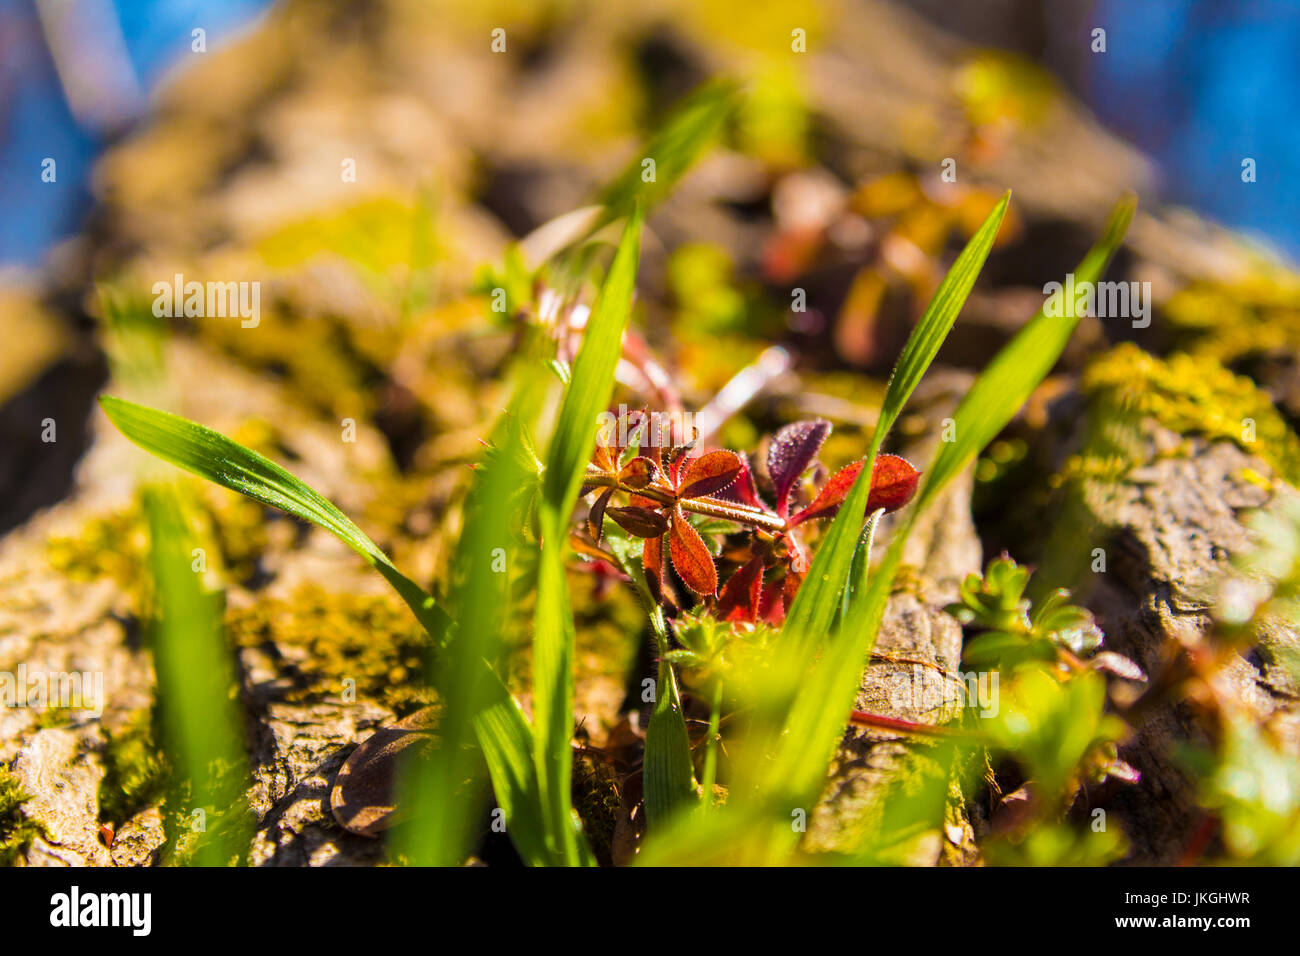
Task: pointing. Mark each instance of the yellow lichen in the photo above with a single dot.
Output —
(1189, 395)
(1227, 321)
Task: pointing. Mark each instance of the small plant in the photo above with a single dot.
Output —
(662, 489)
(1250, 781)
(1008, 633)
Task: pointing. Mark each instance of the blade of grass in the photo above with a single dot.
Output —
(201, 727)
(447, 787)
(211, 455)
(694, 125)
(500, 726)
(813, 611)
(1008, 381)
(571, 446)
(506, 739)
(710, 773)
(668, 777)
(817, 719)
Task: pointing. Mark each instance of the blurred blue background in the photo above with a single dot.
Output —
(1197, 84)
(1201, 85)
(124, 47)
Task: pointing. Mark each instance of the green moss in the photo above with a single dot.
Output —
(135, 770)
(55, 717)
(1002, 88)
(116, 545)
(380, 236)
(1187, 394)
(329, 638)
(316, 356)
(711, 301)
(112, 546)
(138, 775)
(16, 830)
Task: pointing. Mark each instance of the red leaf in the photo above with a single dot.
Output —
(596, 517)
(893, 482)
(641, 522)
(771, 608)
(742, 490)
(675, 458)
(710, 472)
(740, 595)
(791, 587)
(652, 560)
(606, 456)
(831, 496)
(792, 450)
(690, 556)
(638, 472)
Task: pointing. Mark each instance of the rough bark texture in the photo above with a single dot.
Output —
(943, 549)
(1172, 524)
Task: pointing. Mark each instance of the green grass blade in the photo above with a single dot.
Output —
(211, 455)
(499, 725)
(820, 710)
(593, 378)
(685, 135)
(571, 446)
(447, 786)
(1008, 381)
(668, 777)
(817, 719)
(813, 612)
(506, 739)
(201, 726)
(925, 341)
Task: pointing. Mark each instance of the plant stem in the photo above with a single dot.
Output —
(711, 507)
(861, 718)
(710, 774)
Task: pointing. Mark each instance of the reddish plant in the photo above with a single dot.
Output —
(661, 486)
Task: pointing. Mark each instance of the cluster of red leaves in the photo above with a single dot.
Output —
(662, 485)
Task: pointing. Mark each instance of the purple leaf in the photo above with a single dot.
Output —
(792, 450)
